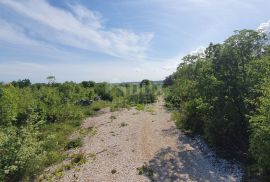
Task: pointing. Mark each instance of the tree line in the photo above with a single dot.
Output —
(223, 94)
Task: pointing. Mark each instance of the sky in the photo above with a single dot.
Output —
(115, 40)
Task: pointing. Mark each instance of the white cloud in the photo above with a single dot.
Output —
(264, 27)
(171, 65)
(14, 34)
(80, 28)
(200, 51)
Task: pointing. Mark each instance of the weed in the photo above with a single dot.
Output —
(78, 159)
(145, 170)
(75, 143)
(88, 131)
(67, 166)
(140, 107)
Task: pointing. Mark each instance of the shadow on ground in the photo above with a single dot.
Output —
(189, 162)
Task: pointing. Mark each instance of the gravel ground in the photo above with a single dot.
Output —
(132, 138)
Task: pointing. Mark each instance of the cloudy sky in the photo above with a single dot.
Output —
(115, 40)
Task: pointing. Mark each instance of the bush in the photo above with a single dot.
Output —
(27, 156)
(218, 94)
(36, 120)
(96, 106)
(260, 137)
(8, 106)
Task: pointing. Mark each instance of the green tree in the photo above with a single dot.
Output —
(260, 124)
(51, 79)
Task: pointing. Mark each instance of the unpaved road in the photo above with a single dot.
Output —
(127, 139)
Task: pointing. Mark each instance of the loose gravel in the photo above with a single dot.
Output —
(126, 140)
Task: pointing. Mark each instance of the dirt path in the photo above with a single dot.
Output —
(127, 139)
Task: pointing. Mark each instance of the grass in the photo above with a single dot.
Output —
(140, 107)
(145, 170)
(97, 106)
(78, 159)
(88, 131)
(55, 137)
(75, 143)
(122, 103)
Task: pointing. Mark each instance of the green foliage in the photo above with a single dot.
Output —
(103, 90)
(88, 84)
(75, 143)
(97, 106)
(37, 119)
(219, 95)
(21, 83)
(168, 81)
(21, 151)
(145, 170)
(140, 107)
(145, 82)
(78, 159)
(8, 106)
(260, 137)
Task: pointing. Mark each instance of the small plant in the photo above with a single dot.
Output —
(88, 131)
(140, 107)
(78, 159)
(67, 166)
(74, 144)
(59, 172)
(145, 170)
(123, 124)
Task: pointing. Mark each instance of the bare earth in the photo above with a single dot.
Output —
(133, 138)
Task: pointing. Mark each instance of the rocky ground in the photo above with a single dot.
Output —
(130, 142)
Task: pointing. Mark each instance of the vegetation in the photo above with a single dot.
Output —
(145, 170)
(36, 120)
(74, 143)
(224, 96)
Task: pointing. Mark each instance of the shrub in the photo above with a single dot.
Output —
(21, 153)
(260, 137)
(96, 106)
(8, 106)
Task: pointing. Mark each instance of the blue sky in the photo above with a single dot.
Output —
(116, 40)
